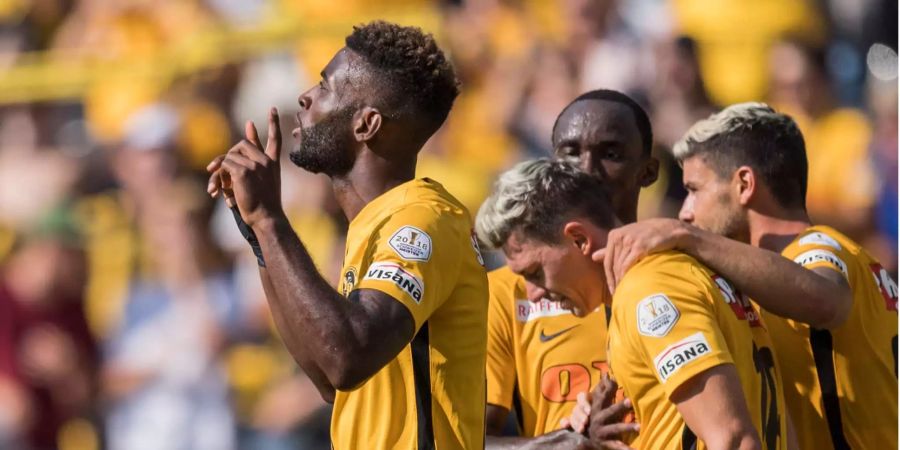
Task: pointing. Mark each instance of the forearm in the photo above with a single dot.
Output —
(738, 441)
(298, 351)
(310, 314)
(776, 283)
(561, 439)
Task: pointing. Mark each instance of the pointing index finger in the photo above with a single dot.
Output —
(273, 146)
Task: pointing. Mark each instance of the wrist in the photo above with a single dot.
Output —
(686, 238)
(268, 224)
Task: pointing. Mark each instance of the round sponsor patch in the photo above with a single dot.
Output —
(656, 315)
(411, 243)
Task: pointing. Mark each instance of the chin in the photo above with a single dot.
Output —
(573, 308)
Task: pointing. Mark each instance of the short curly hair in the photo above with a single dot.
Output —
(416, 80)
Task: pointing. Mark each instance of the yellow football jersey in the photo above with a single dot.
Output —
(841, 384)
(539, 356)
(415, 243)
(673, 319)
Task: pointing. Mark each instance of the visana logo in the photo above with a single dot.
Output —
(815, 256)
(679, 354)
(409, 283)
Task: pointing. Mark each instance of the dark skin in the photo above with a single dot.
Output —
(603, 135)
(339, 343)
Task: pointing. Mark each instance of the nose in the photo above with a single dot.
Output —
(305, 100)
(586, 162)
(686, 214)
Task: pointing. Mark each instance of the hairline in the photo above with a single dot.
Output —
(631, 111)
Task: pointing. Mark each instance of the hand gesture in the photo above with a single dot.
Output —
(626, 245)
(606, 425)
(249, 176)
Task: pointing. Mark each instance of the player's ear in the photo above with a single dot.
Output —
(650, 172)
(579, 236)
(366, 123)
(745, 184)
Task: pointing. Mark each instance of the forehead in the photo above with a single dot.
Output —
(598, 120)
(695, 168)
(347, 69)
(521, 252)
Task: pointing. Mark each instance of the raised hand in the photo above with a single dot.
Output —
(249, 176)
(626, 245)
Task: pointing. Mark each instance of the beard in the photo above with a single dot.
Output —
(731, 223)
(326, 147)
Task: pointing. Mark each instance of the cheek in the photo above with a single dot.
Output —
(701, 206)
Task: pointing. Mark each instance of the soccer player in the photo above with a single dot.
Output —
(400, 345)
(695, 359)
(835, 324)
(541, 356)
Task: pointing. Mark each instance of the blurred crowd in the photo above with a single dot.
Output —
(131, 315)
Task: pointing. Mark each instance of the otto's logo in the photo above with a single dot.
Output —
(409, 283)
(738, 302)
(411, 243)
(680, 354)
(349, 281)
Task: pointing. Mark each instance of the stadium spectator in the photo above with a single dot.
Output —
(841, 189)
(162, 378)
(48, 357)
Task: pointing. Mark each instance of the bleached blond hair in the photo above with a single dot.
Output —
(537, 197)
(751, 134)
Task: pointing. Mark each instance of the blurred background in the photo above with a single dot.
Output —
(131, 315)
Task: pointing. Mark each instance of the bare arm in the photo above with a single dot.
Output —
(713, 407)
(495, 418)
(306, 361)
(820, 297)
(348, 341)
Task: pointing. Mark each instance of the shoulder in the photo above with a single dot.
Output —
(660, 270)
(663, 279)
(822, 244)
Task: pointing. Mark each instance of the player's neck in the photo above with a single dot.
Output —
(775, 231)
(370, 177)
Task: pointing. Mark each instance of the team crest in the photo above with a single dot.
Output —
(349, 281)
(411, 243)
(656, 315)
